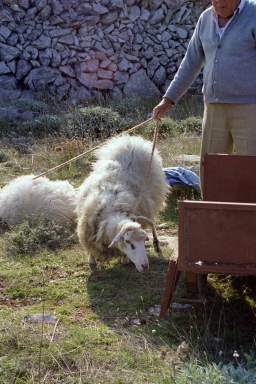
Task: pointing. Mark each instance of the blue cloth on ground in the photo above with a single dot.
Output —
(182, 176)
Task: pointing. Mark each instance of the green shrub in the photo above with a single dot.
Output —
(192, 125)
(131, 107)
(96, 122)
(188, 105)
(41, 126)
(31, 235)
(171, 128)
(5, 126)
(194, 373)
(32, 105)
(4, 155)
(166, 126)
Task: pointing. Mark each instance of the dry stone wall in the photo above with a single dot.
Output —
(79, 50)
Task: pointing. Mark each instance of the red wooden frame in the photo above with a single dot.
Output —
(218, 234)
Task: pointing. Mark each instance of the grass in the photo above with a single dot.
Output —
(96, 333)
(101, 324)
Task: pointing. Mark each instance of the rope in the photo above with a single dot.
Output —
(155, 240)
(144, 184)
(90, 150)
(148, 169)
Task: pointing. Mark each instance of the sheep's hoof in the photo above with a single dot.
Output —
(91, 260)
(125, 260)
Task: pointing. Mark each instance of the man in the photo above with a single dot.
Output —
(224, 45)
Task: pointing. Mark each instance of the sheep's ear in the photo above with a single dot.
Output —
(116, 239)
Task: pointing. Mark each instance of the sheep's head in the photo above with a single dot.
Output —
(131, 241)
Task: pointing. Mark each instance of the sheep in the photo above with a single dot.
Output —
(26, 196)
(107, 199)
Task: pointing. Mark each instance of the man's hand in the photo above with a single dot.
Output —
(162, 108)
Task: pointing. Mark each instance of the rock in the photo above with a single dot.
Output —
(4, 69)
(8, 82)
(39, 78)
(127, 47)
(145, 89)
(159, 75)
(42, 318)
(188, 158)
(4, 31)
(23, 68)
(8, 53)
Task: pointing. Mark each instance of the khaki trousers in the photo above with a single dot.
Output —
(228, 128)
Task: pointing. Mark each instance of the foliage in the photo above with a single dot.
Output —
(195, 373)
(42, 125)
(6, 125)
(190, 105)
(167, 127)
(95, 122)
(191, 125)
(32, 105)
(4, 155)
(33, 234)
(239, 373)
(98, 122)
(133, 108)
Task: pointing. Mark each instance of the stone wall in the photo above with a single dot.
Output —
(79, 50)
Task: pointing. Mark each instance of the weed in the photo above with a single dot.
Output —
(168, 127)
(133, 108)
(191, 125)
(32, 105)
(194, 373)
(41, 126)
(94, 122)
(190, 105)
(31, 235)
(4, 155)
(6, 126)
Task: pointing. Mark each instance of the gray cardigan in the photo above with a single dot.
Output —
(229, 63)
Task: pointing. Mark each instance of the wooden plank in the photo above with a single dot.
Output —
(170, 284)
(217, 237)
(191, 281)
(230, 178)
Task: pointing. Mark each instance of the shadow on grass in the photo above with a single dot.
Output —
(222, 328)
(120, 290)
(213, 331)
(236, 296)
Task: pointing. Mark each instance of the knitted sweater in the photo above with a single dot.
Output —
(229, 63)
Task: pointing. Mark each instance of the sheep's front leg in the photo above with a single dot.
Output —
(125, 259)
(91, 260)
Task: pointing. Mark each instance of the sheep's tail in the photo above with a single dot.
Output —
(156, 242)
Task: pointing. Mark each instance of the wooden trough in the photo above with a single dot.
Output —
(217, 234)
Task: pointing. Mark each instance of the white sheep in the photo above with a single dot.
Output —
(110, 197)
(25, 197)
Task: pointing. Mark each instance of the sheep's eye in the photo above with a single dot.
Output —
(128, 242)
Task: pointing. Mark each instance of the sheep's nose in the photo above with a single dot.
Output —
(145, 267)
